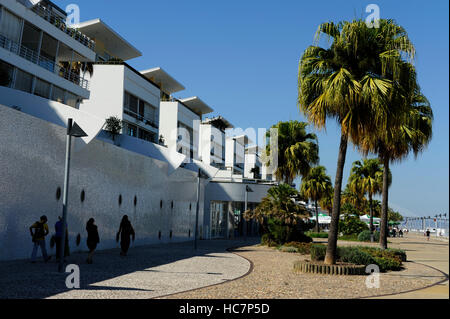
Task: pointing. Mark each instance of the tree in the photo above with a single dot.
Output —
(326, 202)
(355, 198)
(367, 178)
(410, 132)
(298, 150)
(280, 206)
(347, 81)
(315, 186)
(113, 126)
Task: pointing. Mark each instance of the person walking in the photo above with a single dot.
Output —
(38, 238)
(58, 239)
(125, 231)
(428, 233)
(93, 238)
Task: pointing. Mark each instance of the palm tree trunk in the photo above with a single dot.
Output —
(384, 205)
(371, 217)
(330, 258)
(317, 218)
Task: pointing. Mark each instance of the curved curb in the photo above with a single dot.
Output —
(413, 290)
(308, 267)
(250, 270)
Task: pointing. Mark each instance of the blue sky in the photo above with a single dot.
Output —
(241, 57)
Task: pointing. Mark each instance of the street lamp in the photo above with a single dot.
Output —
(73, 130)
(200, 175)
(247, 190)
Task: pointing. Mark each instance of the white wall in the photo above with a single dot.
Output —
(107, 91)
(32, 167)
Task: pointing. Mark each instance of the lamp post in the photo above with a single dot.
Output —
(247, 190)
(72, 130)
(197, 210)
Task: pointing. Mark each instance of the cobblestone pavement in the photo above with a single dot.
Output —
(273, 277)
(248, 271)
(146, 272)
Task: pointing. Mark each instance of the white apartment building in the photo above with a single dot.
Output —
(180, 125)
(49, 73)
(117, 88)
(235, 154)
(41, 57)
(253, 164)
(212, 141)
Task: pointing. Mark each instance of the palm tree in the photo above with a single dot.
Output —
(411, 132)
(347, 82)
(367, 178)
(298, 150)
(278, 204)
(326, 202)
(315, 187)
(354, 197)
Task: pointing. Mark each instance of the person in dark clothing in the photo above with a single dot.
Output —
(93, 238)
(58, 239)
(38, 238)
(428, 233)
(125, 231)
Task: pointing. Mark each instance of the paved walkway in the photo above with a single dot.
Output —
(147, 272)
(433, 253)
(176, 270)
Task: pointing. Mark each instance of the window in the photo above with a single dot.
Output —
(24, 81)
(31, 37)
(10, 26)
(42, 89)
(6, 74)
(131, 130)
(147, 136)
(58, 94)
(48, 51)
(131, 103)
(71, 100)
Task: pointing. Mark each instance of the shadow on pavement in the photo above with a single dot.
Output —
(23, 280)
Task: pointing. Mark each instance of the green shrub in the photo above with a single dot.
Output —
(318, 252)
(288, 249)
(354, 255)
(267, 240)
(352, 225)
(352, 237)
(365, 236)
(398, 254)
(317, 235)
(302, 248)
(386, 264)
(282, 233)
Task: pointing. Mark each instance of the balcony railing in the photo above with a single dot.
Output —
(58, 22)
(141, 118)
(43, 62)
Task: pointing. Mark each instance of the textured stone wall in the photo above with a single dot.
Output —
(32, 168)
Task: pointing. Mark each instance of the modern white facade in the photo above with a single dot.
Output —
(212, 141)
(50, 73)
(253, 165)
(180, 125)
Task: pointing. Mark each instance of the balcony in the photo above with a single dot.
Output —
(141, 118)
(46, 14)
(43, 62)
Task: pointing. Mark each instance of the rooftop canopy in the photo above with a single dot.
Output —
(196, 105)
(113, 43)
(167, 83)
(219, 122)
(242, 139)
